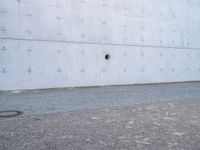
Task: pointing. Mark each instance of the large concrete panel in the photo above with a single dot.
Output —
(63, 43)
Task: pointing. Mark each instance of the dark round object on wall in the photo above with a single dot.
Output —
(107, 56)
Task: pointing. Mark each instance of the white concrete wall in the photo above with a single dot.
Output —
(63, 43)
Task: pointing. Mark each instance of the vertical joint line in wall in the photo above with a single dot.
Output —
(142, 22)
(19, 15)
(142, 10)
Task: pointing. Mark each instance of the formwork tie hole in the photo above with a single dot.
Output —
(107, 56)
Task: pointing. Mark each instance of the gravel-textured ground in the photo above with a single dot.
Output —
(145, 117)
(156, 126)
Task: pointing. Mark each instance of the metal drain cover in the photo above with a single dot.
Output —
(10, 113)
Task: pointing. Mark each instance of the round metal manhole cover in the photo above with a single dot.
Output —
(10, 113)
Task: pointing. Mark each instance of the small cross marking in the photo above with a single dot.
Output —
(29, 71)
(58, 18)
(4, 71)
(29, 50)
(4, 49)
(29, 32)
(82, 35)
(59, 70)
(29, 15)
(3, 11)
(3, 29)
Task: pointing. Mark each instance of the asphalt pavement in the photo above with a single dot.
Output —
(39, 102)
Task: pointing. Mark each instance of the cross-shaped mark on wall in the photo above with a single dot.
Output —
(29, 71)
(125, 25)
(2, 11)
(58, 18)
(104, 4)
(82, 21)
(29, 15)
(3, 49)
(4, 71)
(104, 37)
(103, 70)
(82, 35)
(59, 70)
(104, 23)
(29, 50)
(58, 6)
(3, 29)
(29, 32)
(82, 1)
(59, 33)
(82, 70)
(82, 52)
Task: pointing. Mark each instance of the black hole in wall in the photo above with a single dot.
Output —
(107, 56)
